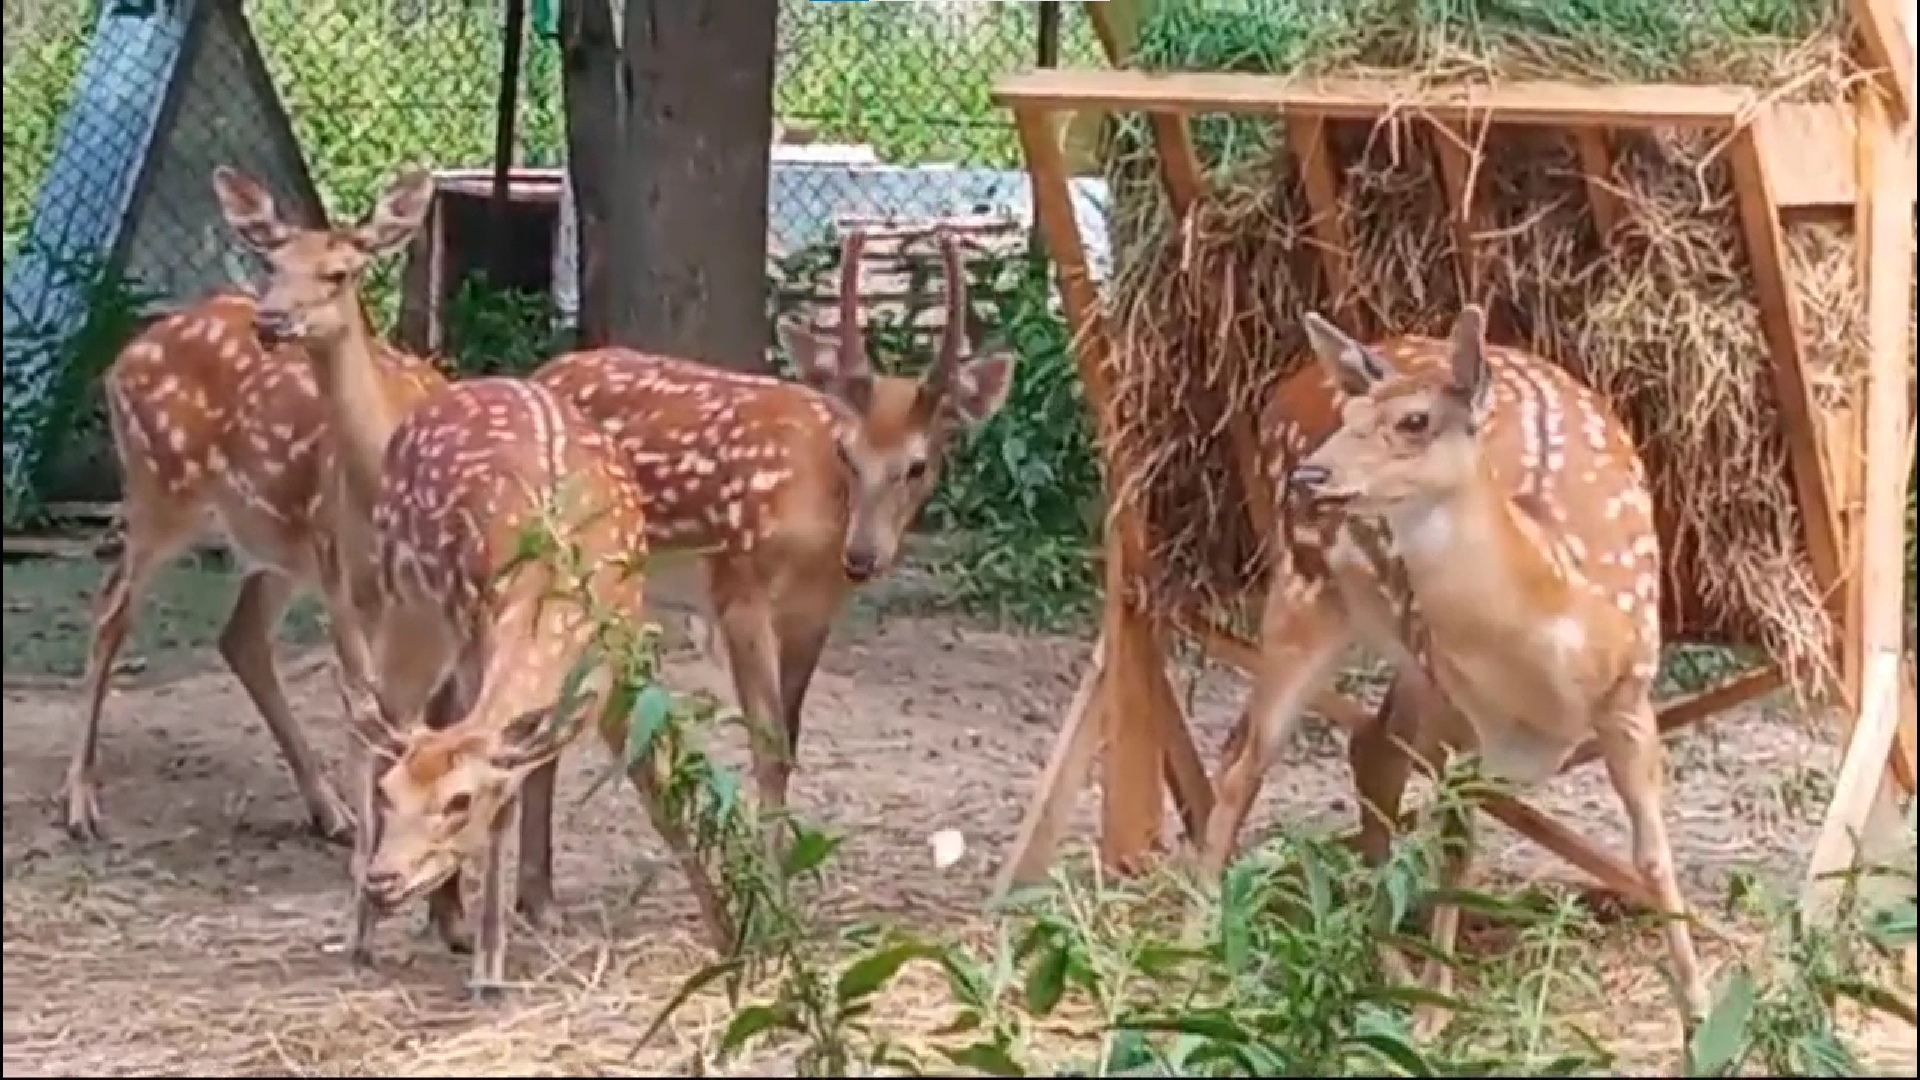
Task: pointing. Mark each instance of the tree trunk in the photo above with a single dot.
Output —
(691, 217)
(590, 58)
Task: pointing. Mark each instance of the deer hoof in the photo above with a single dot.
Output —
(457, 938)
(486, 995)
(82, 819)
(333, 822)
(540, 916)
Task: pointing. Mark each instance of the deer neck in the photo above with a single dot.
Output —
(358, 408)
(1475, 560)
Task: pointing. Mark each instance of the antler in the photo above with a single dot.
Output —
(953, 335)
(853, 340)
(367, 716)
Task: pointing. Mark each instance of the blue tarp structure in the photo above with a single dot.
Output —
(82, 207)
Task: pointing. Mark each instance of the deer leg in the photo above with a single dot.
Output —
(150, 542)
(1381, 768)
(1302, 638)
(747, 626)
(246, 643)
(1456, 863)
(489, 977)
(1630, 744)
(802, 626)
(533, 892)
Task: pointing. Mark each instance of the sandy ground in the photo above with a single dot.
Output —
(203, 935)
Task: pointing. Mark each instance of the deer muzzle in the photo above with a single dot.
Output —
(275, 328)
(1315, 485)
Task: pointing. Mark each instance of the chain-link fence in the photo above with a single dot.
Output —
(108, 151)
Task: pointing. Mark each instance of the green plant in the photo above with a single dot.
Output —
(499, 331)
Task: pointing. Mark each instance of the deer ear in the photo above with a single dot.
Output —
(822, 364)
(980, 386)
(1468, 359)
(249, 210)
(1355, 368)
(398, 214)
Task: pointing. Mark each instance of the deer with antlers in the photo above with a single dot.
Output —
(311, 301)
(793, 494)
(467, 476)
(1478, 515)
(209, 422)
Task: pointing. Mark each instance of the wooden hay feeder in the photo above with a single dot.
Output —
(1849, 473)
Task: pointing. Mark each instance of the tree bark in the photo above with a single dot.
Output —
(590, 85)
(691, 215)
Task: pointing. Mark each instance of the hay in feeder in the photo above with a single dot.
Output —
(1661, 315)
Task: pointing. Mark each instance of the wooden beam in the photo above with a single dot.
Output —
(1808, 148)
(1595, 150)
(1066, 773)
(1552, 104)
(1858, 786)
(1320, 181)
(1135, 726)
(1887, 412)
(1780, 324)
(1887, 48)
(1695, 708)
(1458, 152)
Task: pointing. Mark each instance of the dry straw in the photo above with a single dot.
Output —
(1661, 315)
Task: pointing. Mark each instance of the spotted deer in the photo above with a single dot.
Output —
(1482, 518)
(207, 423)
(364, 389)
(467, 475)
(792, 493)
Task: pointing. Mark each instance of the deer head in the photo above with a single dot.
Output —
(1404, 435)
(313, 286)
(442, 791)
(895, 432)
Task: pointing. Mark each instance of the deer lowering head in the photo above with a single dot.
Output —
(312, 293)
(444, 791)
(894, 432)
(1404, 435)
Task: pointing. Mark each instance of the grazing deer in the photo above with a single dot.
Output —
(361, 390)
(1484, 519)
(792, 493)
(467, 474)
(207, 422)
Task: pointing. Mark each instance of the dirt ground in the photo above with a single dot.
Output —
(203, 936)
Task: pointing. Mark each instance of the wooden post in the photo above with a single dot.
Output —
(1143, 735)
(1864, 817)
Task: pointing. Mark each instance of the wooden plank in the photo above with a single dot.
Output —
(1780, 324)
(1534, 103)
(1061, 781)
(1179, 162)
(1886, 47)
(1696, 708)
(1135, 733)
(1858, 785)
(1596, 167)
(1320, 181)
(1457, 151)
(1808, 148)
(1888, 409)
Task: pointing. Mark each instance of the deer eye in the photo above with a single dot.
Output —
(335, 278)
(460, 803)
(916, 468)
(1413, 423)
